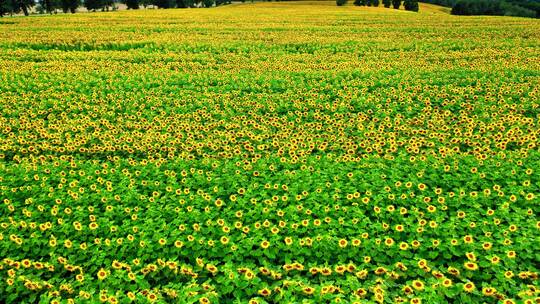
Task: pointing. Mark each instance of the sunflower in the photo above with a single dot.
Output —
(469, 287)
(418, 285)
(489, 291)
(447, 283)
(508, 274)
(361, 292)
(407, 289)
(265, 292)
(362, 274)
(204, 300)
(471, 266)
(102, 274)
(288, 241)
(471, 256)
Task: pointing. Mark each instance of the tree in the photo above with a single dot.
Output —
(184, 3)
(5, 7)
(208, 3)
(387, 3)
(396, 3)
(375, 2)
(360, 2)
(108, 4)
(22, 5)
(93, 5)
(369, 2)
(49, 6)
(69, 5)
(132, 4)
(491, 7)
(164, 3)
(145, 3)
(341, 2)
(411, 5)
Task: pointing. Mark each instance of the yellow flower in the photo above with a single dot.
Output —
(102, 274)
(265, 292)
(469, 287)
(471, 266)
(418, 285)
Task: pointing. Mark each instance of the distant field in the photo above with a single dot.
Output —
(269, 153)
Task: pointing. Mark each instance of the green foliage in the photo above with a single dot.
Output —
(132, 4)
(412, 5)
(341, 2)
(92, 5)
(164, 3)
(5, 7)
(50, 6)
(387, 3)
(70, 5)
(490, 7)
(396, 4)
(521, 8)
(360, 2)
(184, 3)
(208, 3)
(518, 11)
(145, 3)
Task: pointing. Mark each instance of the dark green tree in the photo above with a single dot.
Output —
(49, 6)
(208, 3)
(411, 5)
(6, 7)
(184, 3)
(341, 2)
(396, 4)
(107, 4)
(164, 3)
(387, 3)
(23, 5)
(93, 5)
(70, 5)
(375, 2)
(369, 2)
(132, 4)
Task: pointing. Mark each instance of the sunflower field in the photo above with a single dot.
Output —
(291, 152)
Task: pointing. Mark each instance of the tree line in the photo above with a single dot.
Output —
(410, 5)
(519, 8)
(52, 6)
